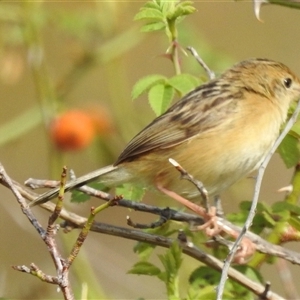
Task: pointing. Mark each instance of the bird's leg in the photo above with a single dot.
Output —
(210, 226)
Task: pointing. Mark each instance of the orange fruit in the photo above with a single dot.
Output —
(102, 120)
(73, 130)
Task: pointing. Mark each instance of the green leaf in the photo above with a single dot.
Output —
(172, 259)
(80, 197)
(160, 96)
(181, 10)
(261, 206)
(153, 27)
(149, 13)
(268, 219)
(261, 222)
(285, 206)
(163, 276)
(206, 293)
(131, 192)
(20, 125)
(144, 268)
(240, 292)
(289, 151)
(250, 272)
(144, 250)
(295, 131)
(145, 84)
(295, 222)
(204, 276)
(183, 83)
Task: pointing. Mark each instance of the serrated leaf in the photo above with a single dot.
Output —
(160, 97)
(183, 83)
(206, 293)
(238, 218)
(167, 6)
(172, 259)
(260, 223)
(250, 272)
(131, 192)
(153, 27)
(144, 268)
(145, 84)
(239, 291)
(144, 250)
(204, 276)
(289, 151)
(261, 206)
(181, 11)
(149, 13)
(163, 276)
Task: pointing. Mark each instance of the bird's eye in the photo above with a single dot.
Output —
(287, 82)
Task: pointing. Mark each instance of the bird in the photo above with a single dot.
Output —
(219, 132)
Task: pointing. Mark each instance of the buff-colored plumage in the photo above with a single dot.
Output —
(219, 132)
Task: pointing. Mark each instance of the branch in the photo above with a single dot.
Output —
(79, 221)
(75, 220)
(62, 278)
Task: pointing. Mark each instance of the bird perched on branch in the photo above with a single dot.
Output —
(219, 132)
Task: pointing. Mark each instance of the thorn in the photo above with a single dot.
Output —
(287, 189)
(257, 6)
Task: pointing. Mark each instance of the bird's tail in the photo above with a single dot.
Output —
(111, 175)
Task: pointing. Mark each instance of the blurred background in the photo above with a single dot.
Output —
(81, 59)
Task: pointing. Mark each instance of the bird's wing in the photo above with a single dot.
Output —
(199, 111)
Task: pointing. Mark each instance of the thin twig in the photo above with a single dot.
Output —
(187, 248)
(264, 295)
(198, 184)
(25, 209)
(78, 221)
(161, 221)
(62, 279)
(211, 75)
(251, 214)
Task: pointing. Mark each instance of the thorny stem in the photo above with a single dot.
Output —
(174, 45)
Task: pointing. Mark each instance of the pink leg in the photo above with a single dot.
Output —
(210, 226)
